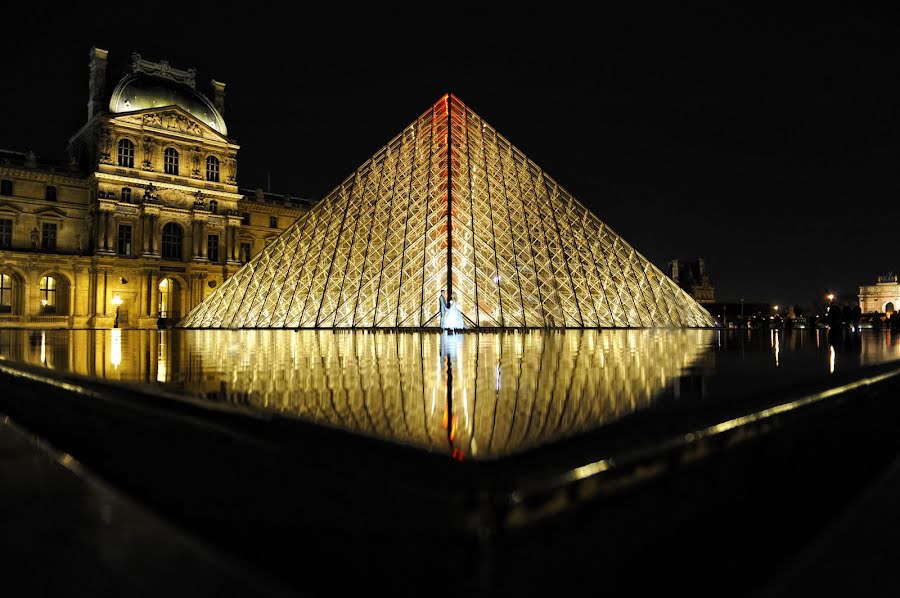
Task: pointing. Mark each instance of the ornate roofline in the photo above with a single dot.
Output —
(164, 70)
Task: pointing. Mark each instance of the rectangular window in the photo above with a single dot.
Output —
(273, 221)
(245, 252)
(50, 193)
(170, 161)
(6, 234)
(245, 218)
(126, 194)
(212, 169)
(124, 239)
(48, 236)
(6, 187)
(212, 248)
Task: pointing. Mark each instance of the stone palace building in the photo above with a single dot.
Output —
(143, 220)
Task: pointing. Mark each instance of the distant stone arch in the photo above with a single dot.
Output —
(889, 308)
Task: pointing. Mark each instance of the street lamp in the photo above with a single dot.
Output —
(830, 296)
(117, 301)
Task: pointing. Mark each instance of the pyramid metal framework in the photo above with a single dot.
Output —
(448, 204)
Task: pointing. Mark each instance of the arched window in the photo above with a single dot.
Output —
(212, 169)
(172, 237)
(170, 161)
(214, 206)
(126, 153)
(48, 295)
(8, 303)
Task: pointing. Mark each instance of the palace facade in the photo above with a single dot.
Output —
(144, 218)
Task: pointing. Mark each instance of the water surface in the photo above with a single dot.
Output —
(482, 396)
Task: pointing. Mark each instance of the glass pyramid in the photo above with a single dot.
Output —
(448, 204)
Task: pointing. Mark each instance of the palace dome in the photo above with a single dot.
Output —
(141, 91)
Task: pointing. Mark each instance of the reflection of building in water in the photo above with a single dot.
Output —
(883, 296)
(508, 392)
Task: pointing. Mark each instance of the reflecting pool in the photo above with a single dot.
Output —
(481, 396)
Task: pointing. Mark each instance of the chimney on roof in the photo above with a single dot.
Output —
(673, 269)
(97, 82)
(218, 96)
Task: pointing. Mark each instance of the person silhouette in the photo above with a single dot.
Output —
(443, 306)
(453, 319)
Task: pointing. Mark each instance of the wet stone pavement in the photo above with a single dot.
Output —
(66, 533)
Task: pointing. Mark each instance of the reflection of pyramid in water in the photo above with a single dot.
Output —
(448, 204)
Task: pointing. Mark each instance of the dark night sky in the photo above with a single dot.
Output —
(769, 146)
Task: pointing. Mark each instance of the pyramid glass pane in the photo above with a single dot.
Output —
(448, 205)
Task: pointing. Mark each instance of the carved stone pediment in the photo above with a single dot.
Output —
(50, 212)
(171, 118)
(10, 210)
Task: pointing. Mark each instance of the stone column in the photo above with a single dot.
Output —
(226, 243)
(111, 232)
(106, 241)
(144, 235)
(32, 294)
(202, 241)
(105, 288)
(92, 292)
(103, 230)
(154, 294)
(73, 309)
(148, 293)
(140, 296)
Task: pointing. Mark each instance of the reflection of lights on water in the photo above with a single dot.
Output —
(345, 379)
(44, 348)
(777, 347)
(161, 369)
(115, 355)
(831, 361)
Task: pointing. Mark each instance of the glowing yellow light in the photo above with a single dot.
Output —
(44, 302)
(116, 300)
(830, 296)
